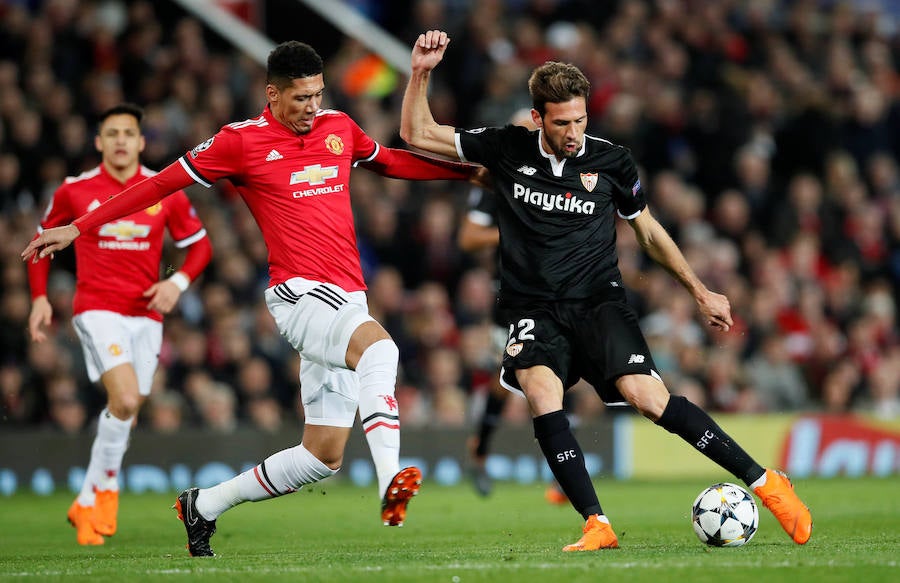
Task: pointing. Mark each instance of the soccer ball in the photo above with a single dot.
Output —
(725, 515)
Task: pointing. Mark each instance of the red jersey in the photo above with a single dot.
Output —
(298, 189)
(118, 261)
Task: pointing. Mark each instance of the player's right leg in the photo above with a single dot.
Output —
(284, 472)
(544, 391)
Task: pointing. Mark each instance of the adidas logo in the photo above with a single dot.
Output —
(274, 155)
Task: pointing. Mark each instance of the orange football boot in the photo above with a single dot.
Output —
(402, 488)
(778, 495)
(106, 508)
(597, 535)
(80, 517)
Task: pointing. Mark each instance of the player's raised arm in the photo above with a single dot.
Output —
(417, 125)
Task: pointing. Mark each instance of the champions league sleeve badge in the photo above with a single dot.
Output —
(200, 147)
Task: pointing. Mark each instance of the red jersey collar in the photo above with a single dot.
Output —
(137, 177)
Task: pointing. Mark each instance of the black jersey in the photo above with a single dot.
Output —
(556, 219)
(482, 207)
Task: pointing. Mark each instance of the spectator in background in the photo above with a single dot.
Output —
(20, 403)
(166, 412)
(777, 380)
(217, 406)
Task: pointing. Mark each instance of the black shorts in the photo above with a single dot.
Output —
(597, 340)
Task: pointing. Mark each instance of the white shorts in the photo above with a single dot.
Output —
(109, 339)
(318, 320)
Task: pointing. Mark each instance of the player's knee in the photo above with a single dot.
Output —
(367, 335)
(124, 406)
(647, 395)
(381, 353)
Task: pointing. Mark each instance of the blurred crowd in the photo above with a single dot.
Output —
(767, 133)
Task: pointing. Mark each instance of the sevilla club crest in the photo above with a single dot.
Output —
(589, 180)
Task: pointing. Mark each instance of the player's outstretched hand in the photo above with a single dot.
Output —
(716, 310)
(429, 50)
(50, 241)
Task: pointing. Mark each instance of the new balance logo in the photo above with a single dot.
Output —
(636, 359)
(527, 170)
(274, 155)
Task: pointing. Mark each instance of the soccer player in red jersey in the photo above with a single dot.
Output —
(291, 165)
(119, 300)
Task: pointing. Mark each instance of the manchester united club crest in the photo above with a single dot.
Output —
(334, 144)
(589, 180)
(153, 210)
(114, 349)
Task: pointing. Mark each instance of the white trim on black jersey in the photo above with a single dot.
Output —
(459, 150)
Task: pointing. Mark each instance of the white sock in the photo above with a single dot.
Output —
(106, 456)
(761, 481)
(378, 410)
(282, 473)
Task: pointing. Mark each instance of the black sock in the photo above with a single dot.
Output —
(697, 428)
(490, 419)
(566, 461)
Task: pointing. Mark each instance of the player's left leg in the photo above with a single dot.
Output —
(332, 329)
(678, 415)
(478, 445)
(113, 431)
(373, 355)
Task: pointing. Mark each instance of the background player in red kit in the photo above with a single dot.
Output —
(119, 300)
(291, 165)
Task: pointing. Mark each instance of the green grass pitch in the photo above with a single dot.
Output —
(332, 532)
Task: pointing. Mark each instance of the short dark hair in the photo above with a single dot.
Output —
(131, 109)
(292, 60)
(555, 82)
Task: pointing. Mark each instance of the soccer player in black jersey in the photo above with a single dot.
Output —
(561, 292)
(477, 232)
